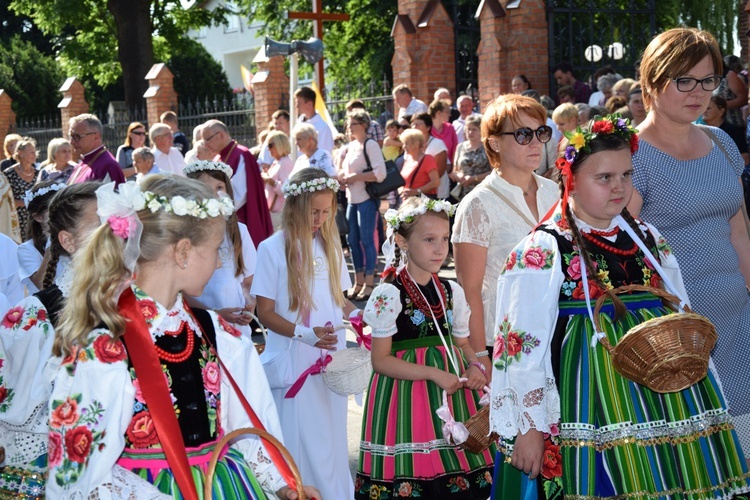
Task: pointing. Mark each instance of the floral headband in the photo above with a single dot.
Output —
(311, 186)
(30, 195)
(203, 165)
(396, 218)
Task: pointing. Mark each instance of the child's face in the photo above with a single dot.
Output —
(217, 186)
(321, 206)
(568, 125)
(203, 260)
(393, 132)
(427, 246)
(603, 187)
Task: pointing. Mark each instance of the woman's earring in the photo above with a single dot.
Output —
(184, 265)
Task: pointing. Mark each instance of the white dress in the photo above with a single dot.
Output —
(314, 421)
(11, 290)
(29, 260)
(100, 382)
(224, 289)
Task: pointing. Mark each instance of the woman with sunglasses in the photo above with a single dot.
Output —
(502, 209)
(687, 181)
(135, 138)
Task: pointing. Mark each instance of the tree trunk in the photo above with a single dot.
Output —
(135, 48)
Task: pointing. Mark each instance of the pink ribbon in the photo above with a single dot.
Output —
(453, 432)
(317, 368)
(362, 339)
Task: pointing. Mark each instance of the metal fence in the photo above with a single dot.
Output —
(376, 96)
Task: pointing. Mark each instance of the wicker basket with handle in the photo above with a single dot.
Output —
(666, 354)
(480, 437)
(224, 441)
(350, 370)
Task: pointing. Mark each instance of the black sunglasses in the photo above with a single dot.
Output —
(524, 135)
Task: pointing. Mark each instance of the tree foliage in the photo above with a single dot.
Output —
(31, 78)
(196, 74)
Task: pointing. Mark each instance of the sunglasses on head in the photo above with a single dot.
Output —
(524, 135)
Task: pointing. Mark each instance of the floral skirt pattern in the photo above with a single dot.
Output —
(403, 453)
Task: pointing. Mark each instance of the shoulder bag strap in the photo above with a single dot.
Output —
(367, 158)
(715, 139)
(276, 457)
(414, 175)
(511, 205)
(142, 354)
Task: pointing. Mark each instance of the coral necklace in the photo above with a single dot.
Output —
(180, 356)
(419, 300)
(607, 247)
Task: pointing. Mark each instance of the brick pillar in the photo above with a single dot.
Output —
(160, 95)
(270, 85)
(73, 103)
(424, 48)
(7, 116)
(514, 41)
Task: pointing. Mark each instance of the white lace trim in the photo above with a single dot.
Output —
(124, 486)
(268, 477)
(24, 443)
(538, 409)
(64, 276)
(405, 448)
(170, 320)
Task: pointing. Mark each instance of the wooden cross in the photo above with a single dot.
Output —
(318, 16)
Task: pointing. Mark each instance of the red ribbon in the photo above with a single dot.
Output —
(362, 339)
(142, 354)
(318, 367)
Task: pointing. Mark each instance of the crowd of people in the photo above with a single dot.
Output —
(126, 352)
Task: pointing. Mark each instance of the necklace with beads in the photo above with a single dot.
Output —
(178, 357)
(606, 246)
(419, 300)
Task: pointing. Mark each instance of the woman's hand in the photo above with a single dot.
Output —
(328, 339)
(476, 379)
(446, 381)
(408, 193)
(234, 315)
(311, 492)
(528, 452)
(351, 177)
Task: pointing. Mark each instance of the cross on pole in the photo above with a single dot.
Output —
(318, 16)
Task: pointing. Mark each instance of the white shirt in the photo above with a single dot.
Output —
(434, 147)
(485, 220)
(29, 260)
(265, 158)
(325, 137)
(320, 159)
(11, 290)
(169, 163)
(239, 184)
(414, 107)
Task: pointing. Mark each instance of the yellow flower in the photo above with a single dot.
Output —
(577, 140)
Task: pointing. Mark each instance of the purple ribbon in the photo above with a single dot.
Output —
(318, 367)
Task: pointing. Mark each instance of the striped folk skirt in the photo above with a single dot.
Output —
(233, 479)
(403, 453)
(619, 439)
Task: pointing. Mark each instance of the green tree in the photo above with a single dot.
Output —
(117, 38)
(31, 78)
(196, 74)
(719, 17)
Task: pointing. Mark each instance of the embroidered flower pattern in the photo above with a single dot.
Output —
(25, 319)
(511, 344)
(424, 322)
(6, 395)
(74, 435)
(382, 304)
(536, 257)
(458, 483)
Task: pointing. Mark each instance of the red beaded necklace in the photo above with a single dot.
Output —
(180, 356)
(419, 300)
(606, 246)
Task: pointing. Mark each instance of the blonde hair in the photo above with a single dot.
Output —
(411, 135)
(298, 245)
(21, 144)
(565, 111)
(673, 53)
(99, 266)
(52, 148)
(280, 142)
(6, 144)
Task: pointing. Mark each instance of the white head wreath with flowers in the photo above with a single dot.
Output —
(118, 209)
(204, 165)
(29, 196)
(311, 186)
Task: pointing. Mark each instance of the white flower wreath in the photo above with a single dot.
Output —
(202, 165)
(396, 218)
(310, 186)
(29, 196)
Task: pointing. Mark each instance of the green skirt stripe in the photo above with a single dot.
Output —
(620, 438)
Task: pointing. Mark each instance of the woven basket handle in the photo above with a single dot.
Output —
(669, 300)
(255, 318)
(224, 441)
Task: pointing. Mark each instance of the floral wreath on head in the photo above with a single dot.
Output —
(30, 195)
(204, 165)
(311, 186)
(405, 216)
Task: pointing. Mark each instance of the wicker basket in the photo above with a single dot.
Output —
(208, 486)
(665, 354)
(350, 371)
(478, 426)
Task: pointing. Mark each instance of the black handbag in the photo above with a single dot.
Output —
(393, 179)
(341, 223)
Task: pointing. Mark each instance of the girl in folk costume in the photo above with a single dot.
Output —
(141, 396)
(228, 290)
(27, 332)
(569, 423)
(420, 353)
(32, 257)
(299, 284)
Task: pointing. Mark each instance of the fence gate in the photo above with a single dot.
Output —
(575, 25)
(467, 35)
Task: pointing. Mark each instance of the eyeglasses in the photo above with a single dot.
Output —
(209, 138)
(524, 135)
(138, 133)
(687, 84)
(78, 137)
